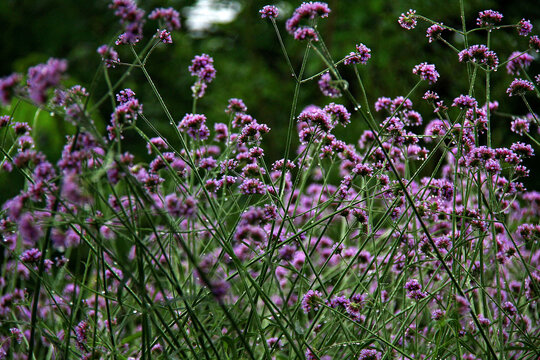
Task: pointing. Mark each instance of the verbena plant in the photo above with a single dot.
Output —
(336, 251)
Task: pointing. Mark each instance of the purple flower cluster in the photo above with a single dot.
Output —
(269, 11)
(519, 87)
(327, 86)
(312, 301)
(108, 55)
(524, 27)
(202, 66)
(42, 77)
(7, 87)
(169, 16)
(534, 43)
(131, 18)
(369, 354)
(480, 54)
(414, 290)
(306, 11)
(361, 56)
(518, 61)
(408, 20)
(434, 32)
(426, 72)
(164, 36)
(195, 126)
(488, 18)
(127, 109)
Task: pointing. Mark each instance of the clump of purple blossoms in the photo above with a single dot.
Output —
(520, 126)
(131, 18)
(108, 55)
(202, 66)
(480, 54)
(7, 87)
(361, 56)
(465, 101)
(534, 43)
(269, 11)
(164, 36)
(311, 301)
(306, 11)
(408, 20)
(195, 126)
(414, 290)
(488, 18)
(519, 87)
(128, 109)
(426, 72)
(306, 33)
(326, 86)
(43, 77)
(169, 16)
(434, 32)
(524, 27)
(518, 61)
(369, 354)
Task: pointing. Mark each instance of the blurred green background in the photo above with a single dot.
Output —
(249, 62)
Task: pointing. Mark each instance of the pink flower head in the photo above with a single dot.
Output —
(426, 72)
(269, 11)
(408, 20)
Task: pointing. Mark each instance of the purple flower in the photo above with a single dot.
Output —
(306, 33)
(269, 11)
(316, 117)
(7, 87)
(181, 208)
(43, 77)
(236, 106)
(534, 43)
(519, 87)
(31, 256)
(426, 72)
(29, 230)
(312, 301)
(518, 60)
(308, 10)
(170, 17)
(369, 354)
(438, 314)
(414, 290)
(17, 334)
(108, 55)
(361, 56)
(252, 186)
(274, 343)
(520, 126)
(465, 101)
(338, 113)
(408, 20)
(202, 66)
(434, 32)
(128, 109)
(131, 18)
(327, 88)
(524, 27)
(195, 126)
(488, 18)
(480, 54)
(164, 36)
(81, 333)
(4, 120)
